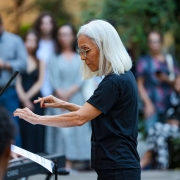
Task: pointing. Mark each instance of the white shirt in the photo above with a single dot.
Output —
(44, 53)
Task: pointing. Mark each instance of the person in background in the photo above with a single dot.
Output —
(12, 57)
(66, 81)
(7, 133)
(154, 83)
(45, 25)
(157, 154)
(28, 89)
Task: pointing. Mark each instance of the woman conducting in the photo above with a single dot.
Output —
(112, 109)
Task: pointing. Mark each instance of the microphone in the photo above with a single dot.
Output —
(10, 80)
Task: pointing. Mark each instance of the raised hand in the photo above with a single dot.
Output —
(27, 115)
(49, 101)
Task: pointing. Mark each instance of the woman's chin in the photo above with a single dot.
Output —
(93, 69)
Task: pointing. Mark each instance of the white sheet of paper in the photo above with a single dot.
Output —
(34, 157)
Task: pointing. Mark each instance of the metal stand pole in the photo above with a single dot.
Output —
(56, 169)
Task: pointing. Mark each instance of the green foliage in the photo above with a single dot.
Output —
(135, 18)
(91, 10)
(23, 29)
(56, 7)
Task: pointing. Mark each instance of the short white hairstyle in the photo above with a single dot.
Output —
(113, 57)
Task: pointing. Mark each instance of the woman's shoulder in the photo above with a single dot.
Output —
(122, 80)
(118, 77)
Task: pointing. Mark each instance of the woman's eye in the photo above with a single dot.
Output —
(85, 48)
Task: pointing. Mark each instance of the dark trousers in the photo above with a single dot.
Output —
(120, 174)
(9, 100)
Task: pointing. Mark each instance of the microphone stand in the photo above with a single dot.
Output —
(9, 82)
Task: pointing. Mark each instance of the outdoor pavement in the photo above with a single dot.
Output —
(146, 175)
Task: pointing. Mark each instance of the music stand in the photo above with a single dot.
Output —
(57, 171)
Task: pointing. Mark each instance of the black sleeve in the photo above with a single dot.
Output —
(105, 96)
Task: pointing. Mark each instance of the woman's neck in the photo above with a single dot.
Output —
(67, 50)
(68, 53)
(158, 56)
(31, 56)
(46, 37)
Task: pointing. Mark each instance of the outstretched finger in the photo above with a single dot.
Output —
(40, 100)
(37, 100)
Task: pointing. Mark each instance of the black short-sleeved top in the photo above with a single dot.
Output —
(114, 132)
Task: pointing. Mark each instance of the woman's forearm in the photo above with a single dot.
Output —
(65, 120)
(73, 90)
(37, 86)
(20, 91)
(144, 96)
(142, 91)
(33, 90)
(70, 106)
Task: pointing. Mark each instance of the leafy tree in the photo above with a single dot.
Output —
(56, 7)
(177, 29)
(91, 10)
(133, 19)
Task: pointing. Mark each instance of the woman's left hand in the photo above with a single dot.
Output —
(27, 115)
(163, 77)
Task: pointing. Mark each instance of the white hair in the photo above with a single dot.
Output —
(113, 57)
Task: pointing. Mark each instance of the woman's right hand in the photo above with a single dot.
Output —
(49, 101)
(149, 110)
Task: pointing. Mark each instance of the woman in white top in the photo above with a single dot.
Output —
(45, 25)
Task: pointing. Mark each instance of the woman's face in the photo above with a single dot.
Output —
(65, 36)
(46, 26)
(31, 43)
(92, 56)
(154, 42)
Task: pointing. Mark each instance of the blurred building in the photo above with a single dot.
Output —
(22, 13)
(16, 13)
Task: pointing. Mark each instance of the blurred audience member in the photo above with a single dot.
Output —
(28, 88)
(12, 57)
(45, 25)
(157, 140)
(155, 77)
(65, 78)
(7, 132)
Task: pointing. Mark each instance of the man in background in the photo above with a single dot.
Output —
(7, 131)
(12, 57)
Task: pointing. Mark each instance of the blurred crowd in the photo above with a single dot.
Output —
(158, 82)
(49, 64)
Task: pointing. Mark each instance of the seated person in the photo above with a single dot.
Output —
(157, 154)
(7, 132)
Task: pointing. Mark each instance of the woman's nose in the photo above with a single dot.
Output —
(82, 57)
